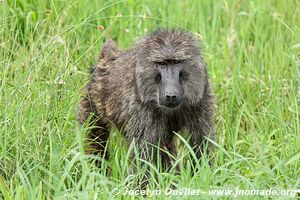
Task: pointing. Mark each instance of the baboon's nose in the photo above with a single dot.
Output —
(173, 100)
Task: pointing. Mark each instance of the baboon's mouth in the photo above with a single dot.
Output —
(174, 105)
(170, 105)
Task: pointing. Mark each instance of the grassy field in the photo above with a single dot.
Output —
(252, 49)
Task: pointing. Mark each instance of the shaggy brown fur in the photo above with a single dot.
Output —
(124, 90)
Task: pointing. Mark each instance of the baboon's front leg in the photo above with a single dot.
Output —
(147, 152)
(197, 139)
(196, 142)
(168, 153)
(145, 135)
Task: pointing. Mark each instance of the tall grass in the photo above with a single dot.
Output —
(252, 49)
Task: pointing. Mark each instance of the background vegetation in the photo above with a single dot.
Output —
(252, 49)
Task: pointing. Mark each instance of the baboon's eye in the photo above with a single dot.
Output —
(168, 62)
(176, 61)
(158, 78)
(160, 62)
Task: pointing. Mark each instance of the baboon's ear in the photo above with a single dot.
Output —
(109, 50)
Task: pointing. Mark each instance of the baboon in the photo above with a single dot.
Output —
(157, 87)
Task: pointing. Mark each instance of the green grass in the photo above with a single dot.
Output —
(252, 49)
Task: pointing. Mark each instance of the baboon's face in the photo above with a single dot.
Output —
(169, 70)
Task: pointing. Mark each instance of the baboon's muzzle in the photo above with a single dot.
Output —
(170, 88)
